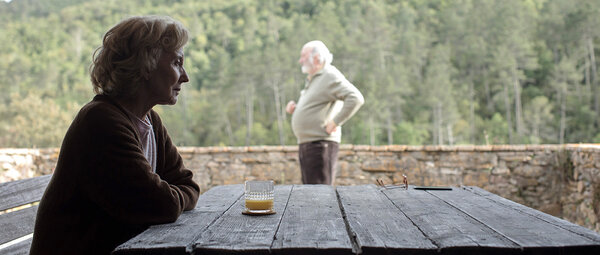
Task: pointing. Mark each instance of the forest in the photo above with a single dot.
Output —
(433, 72)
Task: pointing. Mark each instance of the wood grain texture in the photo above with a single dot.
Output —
(450, 229)
(378, 225)
(321, 219)
(535, 213)
(17, 224)
(238, 233)
(21, 248)
(16, 193)
(312, 223)
(535, 231)
(178, 237)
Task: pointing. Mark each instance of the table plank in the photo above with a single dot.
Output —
(21, 248)
(17, 224)
(592, 235)
(450, 229)
(16, 193)
(532, 233)
(179, 236)
(378, 225)
(235, 232)
(312, 223)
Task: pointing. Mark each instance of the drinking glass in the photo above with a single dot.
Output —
(259, 196)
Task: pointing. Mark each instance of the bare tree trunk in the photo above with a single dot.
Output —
(508, 115)
(563, 120)
(588, 85)
(562, 97)
(440, 124)
(279, 112)
(450, 135)
(434, 131)
(596, 99)
(78, 43)
(390, 129)
(535, 129)
(518, 107)
(472, 112)
(371, 131)
(249, 113)
(229, 130)
(488, 93)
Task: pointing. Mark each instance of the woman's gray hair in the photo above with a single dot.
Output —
(319, 48)
(130, 52)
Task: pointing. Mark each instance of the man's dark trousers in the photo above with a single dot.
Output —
(317, 161)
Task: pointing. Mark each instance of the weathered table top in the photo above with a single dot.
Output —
(319, 219)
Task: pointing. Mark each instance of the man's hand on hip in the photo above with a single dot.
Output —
(330, 127)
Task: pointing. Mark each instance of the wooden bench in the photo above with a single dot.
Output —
(18, 209)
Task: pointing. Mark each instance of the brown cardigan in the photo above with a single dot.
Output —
(103, 191)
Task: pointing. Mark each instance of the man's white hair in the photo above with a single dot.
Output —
(321, 50)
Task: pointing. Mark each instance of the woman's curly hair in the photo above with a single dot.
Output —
(130, 51)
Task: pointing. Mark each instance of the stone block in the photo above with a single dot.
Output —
(346, 169)
(290, 148)
(500, 171)
(252, 158)
(383, 165)
(473, 160)
(530, 170)
(346, 147)
(515, 156)
(450, 171)
(385, 154)
(397, 147)
(203, 179)
(422, 156)
(408, 163)
(476, 179)
(362, 148)
(591, 174)
(345, 153)
(580, 187)
(291, 156)
(275, 156)
(222, 157)
(235, 150)
(378, 148)
(526, 182)
(365, 154)
(543, 158)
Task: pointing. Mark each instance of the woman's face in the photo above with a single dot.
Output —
(165, 82)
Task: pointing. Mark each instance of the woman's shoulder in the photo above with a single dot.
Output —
(101, 110)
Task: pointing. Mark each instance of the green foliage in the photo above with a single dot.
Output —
(407, 133)
(432, 72)
(32, 121)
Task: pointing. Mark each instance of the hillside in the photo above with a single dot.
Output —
(432, 71)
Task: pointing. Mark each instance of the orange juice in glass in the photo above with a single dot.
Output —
(259, 196)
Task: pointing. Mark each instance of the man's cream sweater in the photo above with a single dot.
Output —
(327, 96)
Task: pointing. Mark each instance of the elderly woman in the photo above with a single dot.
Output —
(118, 171)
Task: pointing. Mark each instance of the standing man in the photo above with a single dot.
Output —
(327, 101)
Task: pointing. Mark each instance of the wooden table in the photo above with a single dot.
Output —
(319, 219)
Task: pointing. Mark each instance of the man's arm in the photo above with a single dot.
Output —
(352, 98)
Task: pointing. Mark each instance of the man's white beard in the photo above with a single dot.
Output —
(306, 68)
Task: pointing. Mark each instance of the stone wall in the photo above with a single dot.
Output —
(562, 180)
